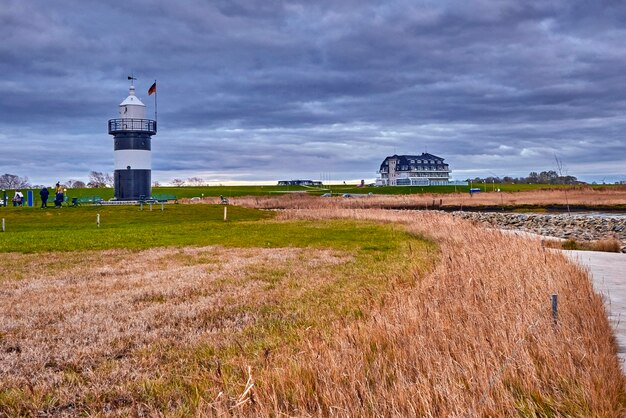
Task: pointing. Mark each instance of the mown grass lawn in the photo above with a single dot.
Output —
(75, 229)
(257, 286)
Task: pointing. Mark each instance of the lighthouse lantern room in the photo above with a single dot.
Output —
(132, 134)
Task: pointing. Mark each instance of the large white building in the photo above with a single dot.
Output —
(414, 170)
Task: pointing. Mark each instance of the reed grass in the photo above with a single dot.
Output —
(588, 196)
(473, 338)
(609, 245)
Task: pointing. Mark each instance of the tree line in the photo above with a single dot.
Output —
(544, 177)
(97, 179)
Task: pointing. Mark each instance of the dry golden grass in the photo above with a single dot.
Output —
(472, 337)
(609, 245)
(577, 196)
(100, 325)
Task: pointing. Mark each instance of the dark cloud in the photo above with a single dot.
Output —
(262, 90)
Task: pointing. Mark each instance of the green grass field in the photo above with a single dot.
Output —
(74, 229)
(236, 191)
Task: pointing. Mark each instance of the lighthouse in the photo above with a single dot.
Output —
(132, 134)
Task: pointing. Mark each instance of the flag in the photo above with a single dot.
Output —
(152, 89)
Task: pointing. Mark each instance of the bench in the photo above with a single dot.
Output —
(86, 200)
(162, 198)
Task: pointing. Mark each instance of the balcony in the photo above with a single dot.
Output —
(148, 126)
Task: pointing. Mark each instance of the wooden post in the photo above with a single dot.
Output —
(141, 205)
(225, 213)
(150, 206)
(2, 224)
(162, 206)
(555, 308)
(98, 220)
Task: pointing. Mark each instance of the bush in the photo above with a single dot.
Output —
(610, 245)
(570, 244)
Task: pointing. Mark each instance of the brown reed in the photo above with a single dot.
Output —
(474, 338)
(577, 196)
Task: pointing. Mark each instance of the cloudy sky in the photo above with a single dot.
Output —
(267, 90)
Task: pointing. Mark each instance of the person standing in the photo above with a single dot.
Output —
(43, 193)
(58, 190)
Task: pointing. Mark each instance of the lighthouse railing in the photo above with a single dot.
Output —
(132, 125)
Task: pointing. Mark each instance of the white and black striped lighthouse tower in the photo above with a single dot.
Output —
(132, 134)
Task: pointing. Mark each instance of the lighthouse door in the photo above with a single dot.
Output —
(118, 186)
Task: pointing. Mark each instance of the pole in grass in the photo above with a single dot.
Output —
(98, 220)
(555, 307)
(225, 213)
(2, 224)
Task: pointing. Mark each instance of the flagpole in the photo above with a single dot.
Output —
(155, 102)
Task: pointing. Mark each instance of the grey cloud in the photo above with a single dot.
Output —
(301, 88)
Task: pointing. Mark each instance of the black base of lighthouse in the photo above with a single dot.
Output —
(132, 184)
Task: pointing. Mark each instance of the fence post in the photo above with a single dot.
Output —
(98, 220)
(555, 308)
(150, 206)
(2, 224)
(141, 205)
(225, 213)
(162, 206)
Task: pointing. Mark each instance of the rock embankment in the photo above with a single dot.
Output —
(568, 226)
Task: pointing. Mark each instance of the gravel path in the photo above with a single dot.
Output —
(608, 271)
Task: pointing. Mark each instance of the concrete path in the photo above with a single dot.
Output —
(608, 271)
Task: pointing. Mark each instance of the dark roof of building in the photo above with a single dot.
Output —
(405, 159)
